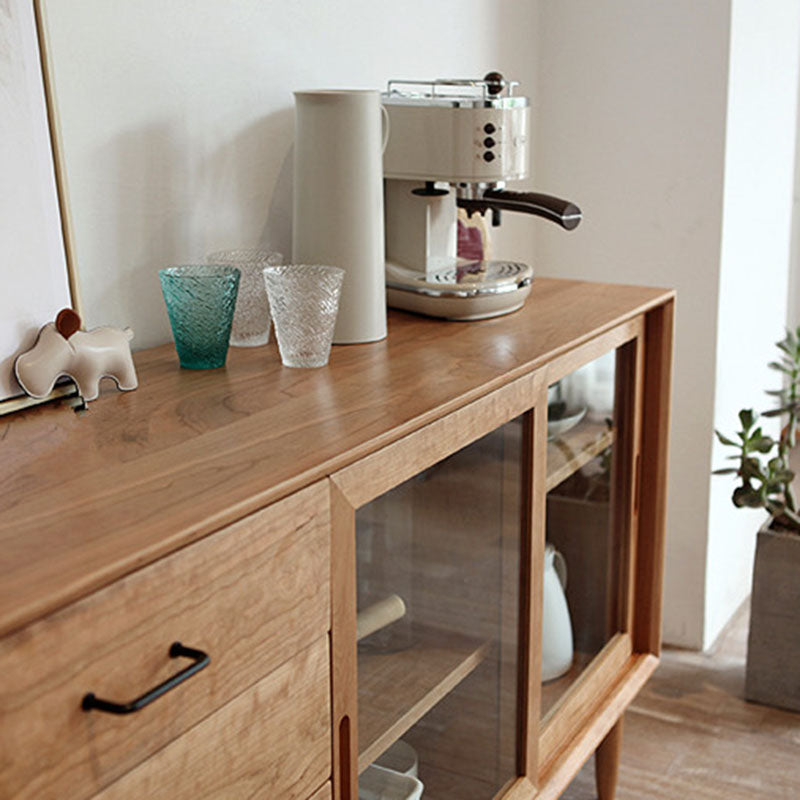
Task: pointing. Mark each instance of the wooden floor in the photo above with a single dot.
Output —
(691, 736)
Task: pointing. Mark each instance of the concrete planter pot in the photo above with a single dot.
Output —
(773, 650)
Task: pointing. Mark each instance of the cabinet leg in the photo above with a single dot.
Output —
(606, 763)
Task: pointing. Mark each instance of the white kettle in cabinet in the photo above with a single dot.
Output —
(557, 647)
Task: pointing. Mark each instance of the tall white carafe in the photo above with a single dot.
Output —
(338, 202)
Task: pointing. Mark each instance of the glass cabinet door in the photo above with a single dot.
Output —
(586, 573)
(438, 598)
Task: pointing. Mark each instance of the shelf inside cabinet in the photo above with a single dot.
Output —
(574, 449)
(441, 784)
(395, 690)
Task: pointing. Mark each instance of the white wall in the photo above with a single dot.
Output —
(756, 239)
(177, 118)
(685, 181)
(632, 127)
(793, 301)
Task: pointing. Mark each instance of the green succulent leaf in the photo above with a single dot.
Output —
(751, 468)
(763, 444)
(780, 367)
(761, 461)
(746, 497)
(725, 440)
(747, 418)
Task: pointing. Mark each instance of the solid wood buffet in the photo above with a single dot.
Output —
(250, 513)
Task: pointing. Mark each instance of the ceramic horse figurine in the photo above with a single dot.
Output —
(85, 356)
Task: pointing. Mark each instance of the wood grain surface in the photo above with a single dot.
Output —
(521, 789)
(395, 690)
(691, 734)
(87, 499)
(605, 711)
(652, 495)
(532, 594)
(381, 471)
(251, 596)
(273, 740)
(570, 713)
(569, 452)
(344, 685)
(607, 758)
(324, 793)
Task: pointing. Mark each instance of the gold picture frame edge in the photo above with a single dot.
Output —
(13, 404)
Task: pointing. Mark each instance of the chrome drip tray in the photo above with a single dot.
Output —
(468, 290)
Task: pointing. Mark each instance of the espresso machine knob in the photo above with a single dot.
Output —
(494, 82)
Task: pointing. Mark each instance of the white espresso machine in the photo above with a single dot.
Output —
(452, 145)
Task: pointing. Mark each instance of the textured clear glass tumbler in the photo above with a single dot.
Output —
(251, 320)
(200, 300)
(304, 300)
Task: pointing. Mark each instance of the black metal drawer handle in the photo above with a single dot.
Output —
(177, 650)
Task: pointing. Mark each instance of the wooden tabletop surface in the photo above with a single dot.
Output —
(87, 498)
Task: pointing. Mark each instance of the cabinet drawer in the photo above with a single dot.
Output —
(251, 596)
(272, 741)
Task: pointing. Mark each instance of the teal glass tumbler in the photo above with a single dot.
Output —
(200, 300)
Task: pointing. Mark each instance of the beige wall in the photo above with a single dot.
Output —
(685, 180)
(178, 118)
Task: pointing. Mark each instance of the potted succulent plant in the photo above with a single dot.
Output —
(765, 481)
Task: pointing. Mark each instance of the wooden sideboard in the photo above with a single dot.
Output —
(223, 509)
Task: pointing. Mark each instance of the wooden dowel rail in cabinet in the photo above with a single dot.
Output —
(250, 512)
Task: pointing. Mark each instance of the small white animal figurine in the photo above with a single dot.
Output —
(85, 356)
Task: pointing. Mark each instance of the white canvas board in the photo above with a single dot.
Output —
(33, 262)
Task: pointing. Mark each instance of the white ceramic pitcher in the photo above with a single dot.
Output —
(338, 201)
(557, 648)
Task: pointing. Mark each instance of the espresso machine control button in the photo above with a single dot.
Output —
(488, 156)
(489, 142)
(489, 128)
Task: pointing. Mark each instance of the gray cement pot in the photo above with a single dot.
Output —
(773, 650)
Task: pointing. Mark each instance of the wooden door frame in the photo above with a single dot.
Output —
(648, 514)
(572, 710)
(369, 478)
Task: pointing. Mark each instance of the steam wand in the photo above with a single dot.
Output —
(562, 212)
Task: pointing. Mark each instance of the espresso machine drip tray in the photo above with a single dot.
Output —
(468, 290)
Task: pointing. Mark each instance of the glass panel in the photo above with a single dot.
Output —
(438, 610)
(582, 595)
